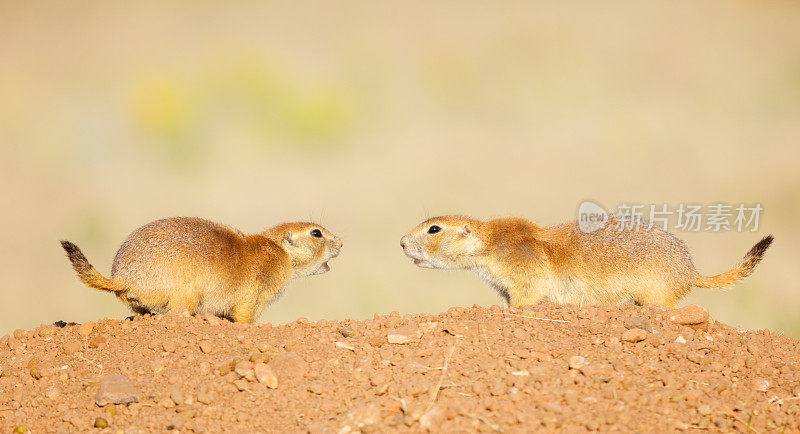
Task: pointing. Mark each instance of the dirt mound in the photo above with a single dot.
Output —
(553, 367)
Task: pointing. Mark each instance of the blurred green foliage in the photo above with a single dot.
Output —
(175, 112)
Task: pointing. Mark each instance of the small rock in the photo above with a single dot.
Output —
(398, 339)
(100, 423)
(638, 322)
(264, 374)
(206, 347)
(183, 408)
(432, 419)
(696, 357)
(634, 335)
(761, 384)
(376, 340)
(240, 384)
(363, 416)
(704, 410)
(72, 347)
(259, 357)
(169, 346)
(689, 315)
(245, 370)
(577, 362)
(52, 392)
(288, 366)
(116, 389)
(345, 345)
(166, 402)
(205, 396)
(226, 366)
(96, 341)
(47, 332)
(34, 369)
(680, 340)
(86, 329)
(347, 331)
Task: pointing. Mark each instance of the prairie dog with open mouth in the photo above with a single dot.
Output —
(207, 267)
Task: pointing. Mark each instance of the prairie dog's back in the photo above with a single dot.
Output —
(189, 243)
(611, 251)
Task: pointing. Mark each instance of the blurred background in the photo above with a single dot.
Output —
(369, 117)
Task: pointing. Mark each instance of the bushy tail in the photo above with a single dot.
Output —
(742, 270)
(87, 273)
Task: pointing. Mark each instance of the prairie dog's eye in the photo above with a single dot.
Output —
(316, 233)
(433, 229)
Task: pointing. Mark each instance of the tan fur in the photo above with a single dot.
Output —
(207, 267)
(528, 264)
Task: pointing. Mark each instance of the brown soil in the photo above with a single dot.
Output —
(471, 369)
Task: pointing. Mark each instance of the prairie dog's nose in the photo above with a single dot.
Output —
(403, 242)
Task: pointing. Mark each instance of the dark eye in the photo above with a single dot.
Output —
(316, 233)
(433, 229)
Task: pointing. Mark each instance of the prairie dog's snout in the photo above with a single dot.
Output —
(442, 242)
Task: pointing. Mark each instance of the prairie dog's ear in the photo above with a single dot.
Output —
(289, 238)
(466, 230)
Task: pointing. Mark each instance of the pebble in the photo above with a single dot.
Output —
(47, 332)
(240, 384)
(432, 419)
(577, 362)
(288, 365)
(52, 392)
(695, 357)
(704, 410)
(100, 423)
(638, 322)
(761, 384)
(96, 341)
(398, 339)
(72, 347)
(205, 396)
(166, 402)
(369, 414)
(86, 329)
(345, 345)
(169, 346)
(259, 357)
(245, 370)
(264, 374)
(634, 335)
(689, 315)
(347, 331)
(206, 347)
(116, 389)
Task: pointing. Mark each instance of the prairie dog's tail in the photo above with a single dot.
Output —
(87, 273)
(739, 272)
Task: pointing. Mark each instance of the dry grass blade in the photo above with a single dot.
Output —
(435, 391)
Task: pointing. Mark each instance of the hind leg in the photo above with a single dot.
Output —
(660, 295)
(185, 297)
(245, 313)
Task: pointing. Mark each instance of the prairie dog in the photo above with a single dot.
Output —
(207, 267)
(528, 264)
